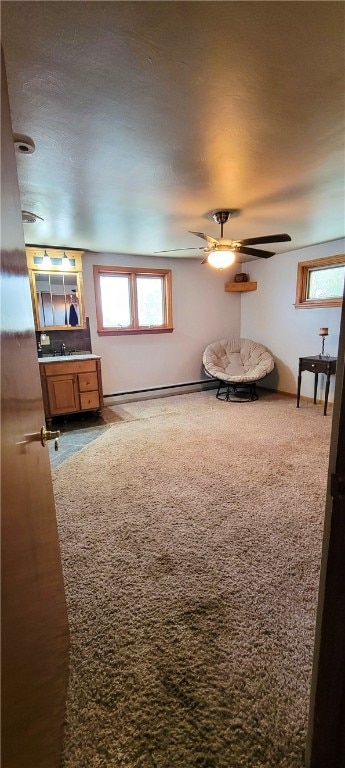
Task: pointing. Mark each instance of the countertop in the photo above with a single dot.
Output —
(67, 358)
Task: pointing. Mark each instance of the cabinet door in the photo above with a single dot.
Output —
(63, 394)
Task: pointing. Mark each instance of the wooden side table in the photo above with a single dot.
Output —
(316, 364)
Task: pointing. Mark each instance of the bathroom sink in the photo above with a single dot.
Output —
(80, 355)
(73, 353)
(65, 358)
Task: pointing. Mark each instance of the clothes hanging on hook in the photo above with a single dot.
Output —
(73, 317)
(73, 314)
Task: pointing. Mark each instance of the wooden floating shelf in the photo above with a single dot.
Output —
(240, 287)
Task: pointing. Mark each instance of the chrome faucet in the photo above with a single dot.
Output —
(63, 349)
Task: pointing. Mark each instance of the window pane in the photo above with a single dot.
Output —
(150, 301)
(326, 283)
(115, 297)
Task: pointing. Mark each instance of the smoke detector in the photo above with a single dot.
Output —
(23, 144)
(30, 218)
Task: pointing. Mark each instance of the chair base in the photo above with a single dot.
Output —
(237, 392)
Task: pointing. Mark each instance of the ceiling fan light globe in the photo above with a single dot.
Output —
(221, 259)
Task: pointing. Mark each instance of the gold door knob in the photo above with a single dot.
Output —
(46, 434)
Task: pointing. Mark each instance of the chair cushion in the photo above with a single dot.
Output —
(237, 360)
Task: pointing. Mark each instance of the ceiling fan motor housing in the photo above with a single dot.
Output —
(221, 217)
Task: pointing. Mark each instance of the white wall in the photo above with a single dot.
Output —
(268, 315)
(202, 312)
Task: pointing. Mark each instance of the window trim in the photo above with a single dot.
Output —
(133, 272)
(303, 270)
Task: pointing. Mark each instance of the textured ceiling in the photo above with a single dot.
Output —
(149, 116)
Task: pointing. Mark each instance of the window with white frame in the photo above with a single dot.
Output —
(133, 300)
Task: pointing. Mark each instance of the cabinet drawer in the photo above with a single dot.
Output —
(73, 366)
(87, 381)
(89, 400)
(315, 367)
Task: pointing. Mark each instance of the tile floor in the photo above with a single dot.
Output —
(76, 433)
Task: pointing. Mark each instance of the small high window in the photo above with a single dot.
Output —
(320, 283)
(132, 300)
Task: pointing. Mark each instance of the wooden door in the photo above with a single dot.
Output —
(34, 619)
(326, 733)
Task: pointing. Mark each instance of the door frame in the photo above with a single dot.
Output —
(325, 747)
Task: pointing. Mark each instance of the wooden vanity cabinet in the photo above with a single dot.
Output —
(71, 386)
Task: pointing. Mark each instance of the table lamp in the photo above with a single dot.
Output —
(323, 332)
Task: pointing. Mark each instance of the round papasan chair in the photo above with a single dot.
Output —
(237, 364)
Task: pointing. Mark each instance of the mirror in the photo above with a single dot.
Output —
(57, 298)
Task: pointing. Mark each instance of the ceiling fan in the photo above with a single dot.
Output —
(221, 253)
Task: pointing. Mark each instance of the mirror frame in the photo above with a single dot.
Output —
(33, 268)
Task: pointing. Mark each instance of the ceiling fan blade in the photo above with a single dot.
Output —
(205, 237)
(265, 239)
(204, 260)
(172, 250)
(253, 252)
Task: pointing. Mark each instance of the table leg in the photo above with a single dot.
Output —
(299, 386)
(315, 386)
(326, 394)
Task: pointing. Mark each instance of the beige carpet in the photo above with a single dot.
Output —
(191, 541)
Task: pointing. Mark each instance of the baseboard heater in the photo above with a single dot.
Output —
(209, 385)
